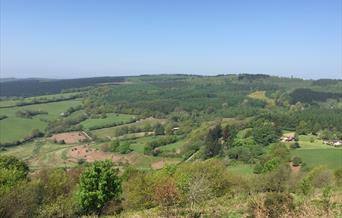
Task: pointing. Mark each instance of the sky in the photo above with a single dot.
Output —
(86, 38)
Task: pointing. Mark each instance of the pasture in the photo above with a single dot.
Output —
(110, 132)
(261, 95)
(243, 169)
(16, 128)
(110, 119)
(14, 102)
(331, 158)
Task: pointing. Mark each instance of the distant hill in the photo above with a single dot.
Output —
(7, 79)
(38, 86)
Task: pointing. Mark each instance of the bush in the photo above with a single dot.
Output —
(295, 145)
(277, 204)
(338, 176)
(320, 177)
(124, 148)
(296, 161)
(166, 195)
(99, 184)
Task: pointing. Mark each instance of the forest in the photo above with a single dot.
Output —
(171, 146)
(34, 87)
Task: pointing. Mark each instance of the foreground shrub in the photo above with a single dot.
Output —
(320, 177)
(166, 195)
(277, 204)
(98, 184)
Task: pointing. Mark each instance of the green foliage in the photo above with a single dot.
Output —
(12, 171)
(212, 144)
(29, 113)
(265, 133)
(21, 201)
(309, 96)
(159, 129)
(296, 161)
(302, 128)
(338, 176)
(320, 177)
(295, 145)
(99, 183)
(123, 148)
(277, 204)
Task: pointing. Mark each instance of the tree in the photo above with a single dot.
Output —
(296, 161)
(159, 129)
(98, 184)
(12, 171)
(166, 195)
(295, 145)
(302, 128)
(265, 133)
(212, 144)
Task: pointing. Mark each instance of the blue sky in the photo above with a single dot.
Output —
(81, 38)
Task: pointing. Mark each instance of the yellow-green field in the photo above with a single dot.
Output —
(16, 128)
(314, 153)
(110, 119)
(11, 102)
(261, 95)
(110, 132)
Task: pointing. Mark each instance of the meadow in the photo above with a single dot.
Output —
(110, 132)
(111, 118)
(331, 158)
(15, 128)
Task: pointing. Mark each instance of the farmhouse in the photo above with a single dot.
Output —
(336, 143)
(287, 138)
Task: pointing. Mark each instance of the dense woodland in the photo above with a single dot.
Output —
(216, 122)
(34, 87)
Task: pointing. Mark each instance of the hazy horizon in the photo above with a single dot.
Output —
(74, 39)
(194, 74)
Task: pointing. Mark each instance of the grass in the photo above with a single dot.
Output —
(306, 143)
(261, 95)
(16, 128)
(44, 154)
(173, 146)
(332, 158)
(144, 161)
(12, 103)
(110, 132)
(138, 145)
(111, 118)
(41, 154)
(244, 169)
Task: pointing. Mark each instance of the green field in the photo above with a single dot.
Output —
(245, 169)
(332, 158)
(305, 143)
(261, 95)
(41, 154)
(110, 132)
(16, 128)
(139, 144)
(110, 119)
(173, 146)
(11, 103)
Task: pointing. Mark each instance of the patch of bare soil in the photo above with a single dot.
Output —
(158, 165)
(295, 169)
(69, 137)
(90, 155)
